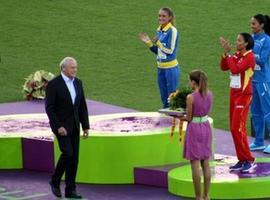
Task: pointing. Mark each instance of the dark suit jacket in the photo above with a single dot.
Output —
(59, 107)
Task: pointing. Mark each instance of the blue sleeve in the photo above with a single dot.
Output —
(171, 42)
(263, 58)
(154, 49)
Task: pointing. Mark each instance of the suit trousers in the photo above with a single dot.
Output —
(68, 161)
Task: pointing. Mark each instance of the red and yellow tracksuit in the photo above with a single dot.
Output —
(241, 68)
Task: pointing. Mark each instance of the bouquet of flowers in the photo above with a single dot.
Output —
(35, 85)
(177, 108)
(177, 100)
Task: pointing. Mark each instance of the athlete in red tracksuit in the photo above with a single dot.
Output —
(241, 66)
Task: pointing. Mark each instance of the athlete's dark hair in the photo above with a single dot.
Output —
(265, 20)
(248, 39)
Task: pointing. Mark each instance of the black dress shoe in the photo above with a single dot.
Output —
(73, 195)
(55, 190)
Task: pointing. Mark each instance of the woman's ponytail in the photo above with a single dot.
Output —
(267, 24)
(203, 84)
(201, 80)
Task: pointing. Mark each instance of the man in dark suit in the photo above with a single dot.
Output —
(66, 109)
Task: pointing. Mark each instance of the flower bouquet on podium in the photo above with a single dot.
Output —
(35, 85)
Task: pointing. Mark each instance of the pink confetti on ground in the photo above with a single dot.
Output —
(24, 125)
(132, 124)
(28, 127)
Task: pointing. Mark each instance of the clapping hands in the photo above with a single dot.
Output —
(225, 44)
(144, 37)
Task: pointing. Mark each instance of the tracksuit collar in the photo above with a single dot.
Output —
(166, 28)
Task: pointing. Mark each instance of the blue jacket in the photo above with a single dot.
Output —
(262, 53)
(166, 46)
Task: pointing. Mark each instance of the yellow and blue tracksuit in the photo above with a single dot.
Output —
(260, 106)
(166, 49)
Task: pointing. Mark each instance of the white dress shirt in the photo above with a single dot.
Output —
(70, 86)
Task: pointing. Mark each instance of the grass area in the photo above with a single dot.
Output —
(102, 34)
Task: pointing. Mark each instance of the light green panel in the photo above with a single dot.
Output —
(11, 153)
(180, 183)
(112, 159)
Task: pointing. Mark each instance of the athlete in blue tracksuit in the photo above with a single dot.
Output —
(260, 107)
(165, 45)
